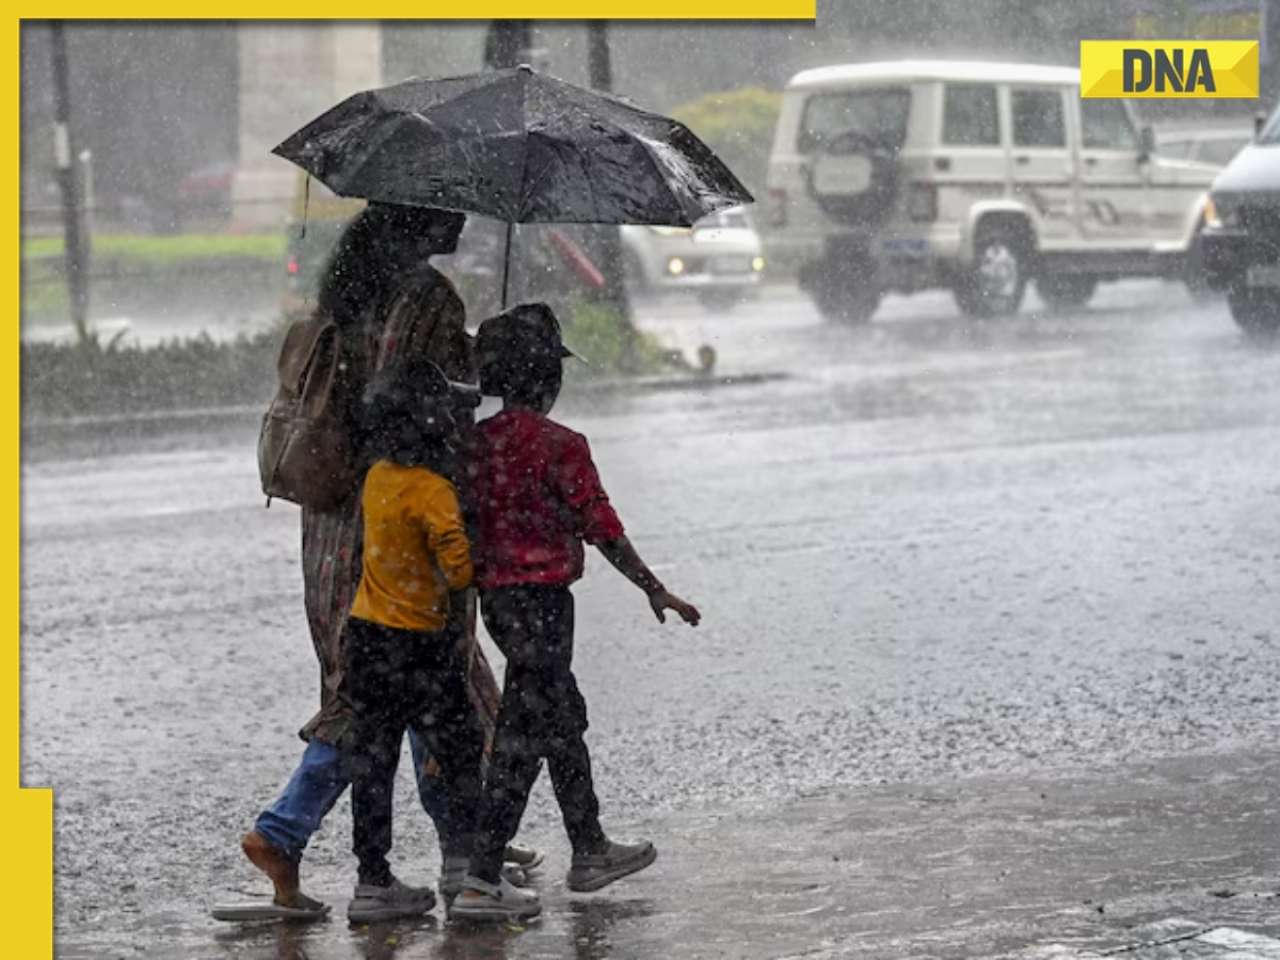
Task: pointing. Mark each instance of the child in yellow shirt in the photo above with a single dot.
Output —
(400, 649)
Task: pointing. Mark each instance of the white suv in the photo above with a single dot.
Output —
(972, 176)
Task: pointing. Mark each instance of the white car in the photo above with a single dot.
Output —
(720, 259)
(976, 177)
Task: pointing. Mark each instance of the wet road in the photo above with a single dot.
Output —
(938, 550)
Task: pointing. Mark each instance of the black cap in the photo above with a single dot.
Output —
(520, 339)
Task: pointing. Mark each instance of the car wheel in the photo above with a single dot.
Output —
(997, 281)
(845, 292)
(1257, 312)
(1061, 291)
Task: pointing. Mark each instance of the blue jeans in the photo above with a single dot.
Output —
(317, 784)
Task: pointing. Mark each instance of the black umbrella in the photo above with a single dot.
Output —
(518, 146)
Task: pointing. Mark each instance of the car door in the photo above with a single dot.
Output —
(1043, 163)
(1113, 175)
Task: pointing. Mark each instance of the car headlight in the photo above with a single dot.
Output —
(1211, 218)
(1218, 214)
(675, 266)
(757, 264)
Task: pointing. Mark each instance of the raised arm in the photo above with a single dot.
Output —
(626, 561)
(580, 488)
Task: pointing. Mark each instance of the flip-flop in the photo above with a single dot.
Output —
(305, 910)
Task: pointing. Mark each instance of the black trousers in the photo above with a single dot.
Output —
(398, 678)
(542, 715)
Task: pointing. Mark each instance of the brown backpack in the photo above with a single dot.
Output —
(305, 450)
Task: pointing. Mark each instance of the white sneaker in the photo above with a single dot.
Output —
(372, 904)
(494, 902)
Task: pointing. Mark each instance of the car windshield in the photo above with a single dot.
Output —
(879, 114)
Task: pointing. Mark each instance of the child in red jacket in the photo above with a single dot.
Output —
(537, 498)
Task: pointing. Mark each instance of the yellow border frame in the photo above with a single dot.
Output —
(26, 886)
(26, 815)
(482, 10)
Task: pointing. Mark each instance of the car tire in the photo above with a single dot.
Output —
(996, 282)
(843, 291)
(1066, 290)
(1256, 312)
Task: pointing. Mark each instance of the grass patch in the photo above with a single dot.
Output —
(150, 250)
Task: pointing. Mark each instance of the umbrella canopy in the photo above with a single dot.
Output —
(518, 146)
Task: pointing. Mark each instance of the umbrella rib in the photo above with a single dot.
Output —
(682, 218)
(524, 156)
(524, 173)
(527, 189)
(371, 149)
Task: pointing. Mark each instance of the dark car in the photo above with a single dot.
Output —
(1241, 240)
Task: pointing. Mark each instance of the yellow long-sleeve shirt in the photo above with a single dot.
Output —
(415, 548)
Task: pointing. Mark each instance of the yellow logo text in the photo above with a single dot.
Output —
(1169, 69)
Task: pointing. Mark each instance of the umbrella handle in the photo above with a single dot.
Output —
(506, 265)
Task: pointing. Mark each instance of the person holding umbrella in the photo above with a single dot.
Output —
(390, 304)
(538, 498)
(519, 147)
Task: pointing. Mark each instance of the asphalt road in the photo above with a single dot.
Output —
(939, 553)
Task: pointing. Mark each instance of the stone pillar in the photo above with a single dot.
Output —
(290, 72)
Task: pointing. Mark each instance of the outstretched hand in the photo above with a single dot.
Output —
(662, 600)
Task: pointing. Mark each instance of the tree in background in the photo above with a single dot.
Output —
(738, 125)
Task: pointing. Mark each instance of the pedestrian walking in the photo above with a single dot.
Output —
(538, 498)
(401, 655)
(389, 304)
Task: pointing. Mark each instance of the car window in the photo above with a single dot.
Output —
(969, 115)
(879, 114)
(1038, 119)
(1105, 125)
(1219, 151)
(1175, 149)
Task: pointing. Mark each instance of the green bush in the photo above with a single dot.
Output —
(94, 378)
(156, 251)
(738, 125)
(609, 344)
(65, 380)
